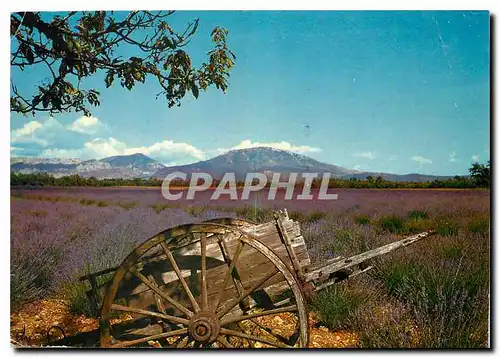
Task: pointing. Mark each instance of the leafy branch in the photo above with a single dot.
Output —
(81, 44)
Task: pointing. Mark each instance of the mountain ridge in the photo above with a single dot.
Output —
(135, 165)
(239, 161)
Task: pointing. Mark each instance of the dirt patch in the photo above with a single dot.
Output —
(322, 337)
(30, 326)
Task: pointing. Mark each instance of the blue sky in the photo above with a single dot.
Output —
(395, 92)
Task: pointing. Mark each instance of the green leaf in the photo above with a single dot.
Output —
(195, 90)
(109, 79)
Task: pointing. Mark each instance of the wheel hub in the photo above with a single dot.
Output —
(204, 327)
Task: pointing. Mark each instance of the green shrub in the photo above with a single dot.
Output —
(195, 210)
(336, 305)
(480, 226)
(297, 216)
(417, 226)
(254, 213)
(129, 204)
(362, 219)
(399, 276)
(343, 235)
(85, 201)
(75, 292)
(102, 204)
(447, 228)
(159, 207)
(78, 302)
(452, 252)
(418, 215)
(393, 224)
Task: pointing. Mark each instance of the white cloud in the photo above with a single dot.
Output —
(357, 167)
(105, 147)
(16, 149)
(170, 152)
(421, 160)
(43, 134)
(28, 128)
(86, 125)
(51, 133)
(167, 152)
(367, 155)
(27, 134)
(247, 143)
(475, 157)
(96, 149)
(453, 157)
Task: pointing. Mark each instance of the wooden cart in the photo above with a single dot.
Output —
(224, 283)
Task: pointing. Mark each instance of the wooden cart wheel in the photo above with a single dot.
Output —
(204, 285)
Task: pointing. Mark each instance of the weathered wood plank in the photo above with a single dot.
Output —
(326, 270)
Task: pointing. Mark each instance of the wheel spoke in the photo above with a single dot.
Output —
(227, 321)
(149, 313)
(231, 332)
(178, 340)
(242, 328)
(225, 255)
(225, 343)
(270, 332)
(150, 338)
(204, 295)
(171, 258)
(183, 344)
(169, 299)
(230, 306)
(239, 249)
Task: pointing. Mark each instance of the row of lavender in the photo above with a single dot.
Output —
(52, 243)
(367, 201)
(406, 301)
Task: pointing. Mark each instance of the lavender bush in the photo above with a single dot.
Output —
(432, 294)
(53, 243)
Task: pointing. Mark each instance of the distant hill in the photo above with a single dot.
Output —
(137, 161)
(123, 166)
(263, 159)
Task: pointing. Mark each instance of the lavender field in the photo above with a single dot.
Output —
(432, 294)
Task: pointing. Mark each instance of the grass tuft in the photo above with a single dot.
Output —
(418, 215)
(362, 219)
(128, 205)
(337, 305)
(480, 226)
(392, 223)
